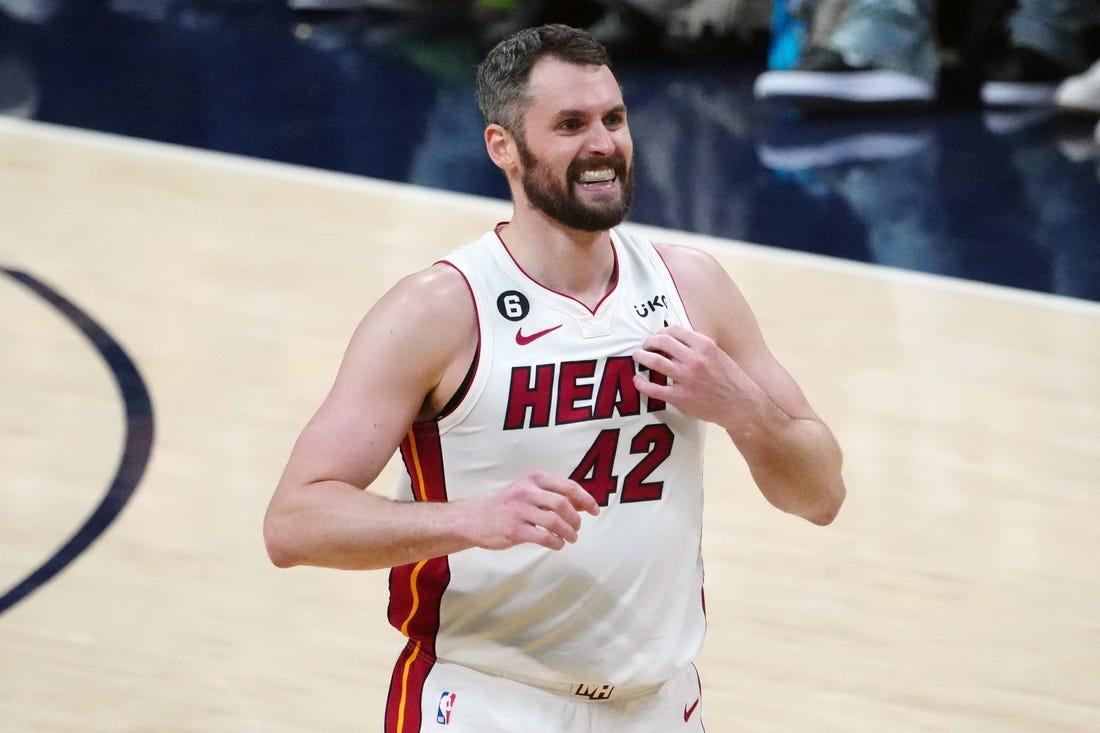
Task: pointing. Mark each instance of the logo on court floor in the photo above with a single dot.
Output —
(446, 705)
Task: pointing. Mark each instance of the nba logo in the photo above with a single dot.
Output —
(446, 704)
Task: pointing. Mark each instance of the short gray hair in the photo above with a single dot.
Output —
(503, 76)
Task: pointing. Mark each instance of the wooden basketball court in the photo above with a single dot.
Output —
(959, 590)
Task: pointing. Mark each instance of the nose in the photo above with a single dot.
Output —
(601, 141)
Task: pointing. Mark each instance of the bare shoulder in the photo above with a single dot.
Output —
(434, 292)
(689, 260)
(710, 295)
(718, 309)
(419, 335)
(434, 302)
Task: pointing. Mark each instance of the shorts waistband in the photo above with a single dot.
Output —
(582, 691)
(598, 692)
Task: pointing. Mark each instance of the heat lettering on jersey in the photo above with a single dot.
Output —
(576, 391)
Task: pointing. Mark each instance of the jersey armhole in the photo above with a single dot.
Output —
(463, 390)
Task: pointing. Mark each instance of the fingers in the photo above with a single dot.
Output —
(539, 508)
(670, 344)
(555, 528)
(654, 360)
(677, 352)
(686, 369)
(572, 492)
(663, 353)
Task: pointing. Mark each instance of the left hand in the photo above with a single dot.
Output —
(703, 380)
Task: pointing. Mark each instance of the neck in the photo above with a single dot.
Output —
(572, 262)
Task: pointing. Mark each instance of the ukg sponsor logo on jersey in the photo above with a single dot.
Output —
(651, 305)
(446, 705)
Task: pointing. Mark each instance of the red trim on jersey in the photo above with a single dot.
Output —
(674, 283)
(457, 397)
(614, 272)
(405, 700)
(416, 589)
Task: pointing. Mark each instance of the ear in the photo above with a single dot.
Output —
(501, 147)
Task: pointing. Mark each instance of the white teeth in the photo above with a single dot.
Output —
(597, 176)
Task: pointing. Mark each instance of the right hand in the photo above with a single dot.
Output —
(538, 508)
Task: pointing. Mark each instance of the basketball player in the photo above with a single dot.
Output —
(547, 386)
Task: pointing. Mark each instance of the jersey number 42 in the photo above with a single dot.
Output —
(596, 470)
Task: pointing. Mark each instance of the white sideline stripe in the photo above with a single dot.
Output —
(246, 164)
(868, 86)
(501, 208)
(1018, 93)
(875, 271)
(869, 146)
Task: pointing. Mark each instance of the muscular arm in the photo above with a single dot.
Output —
(405, 359)
(723, 372)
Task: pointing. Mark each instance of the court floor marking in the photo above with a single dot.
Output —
(495, 208)
(137, 445)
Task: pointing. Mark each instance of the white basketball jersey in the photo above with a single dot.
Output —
(551, 388)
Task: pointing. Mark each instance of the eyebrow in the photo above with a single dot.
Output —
(565, 113)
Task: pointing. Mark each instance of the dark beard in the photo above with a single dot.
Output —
(560, 202)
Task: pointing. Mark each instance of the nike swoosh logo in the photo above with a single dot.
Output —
(524, 340)
(688, 711)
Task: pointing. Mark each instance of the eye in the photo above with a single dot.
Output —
(615, 119)
(570, 125)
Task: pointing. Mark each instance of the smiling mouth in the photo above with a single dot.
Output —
(596, 175)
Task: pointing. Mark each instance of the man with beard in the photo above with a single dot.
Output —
(557, 367)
